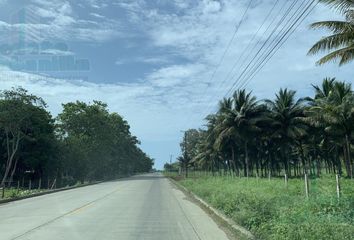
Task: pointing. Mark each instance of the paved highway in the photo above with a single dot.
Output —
(141, 207)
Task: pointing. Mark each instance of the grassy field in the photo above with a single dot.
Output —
(271, 210)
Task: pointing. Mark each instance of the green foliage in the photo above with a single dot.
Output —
(272, 211)
(84, 143)
(99, 144)
(15, 193)
(341, 42)
(281, 136)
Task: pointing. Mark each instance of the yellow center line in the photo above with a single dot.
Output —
(80, 209)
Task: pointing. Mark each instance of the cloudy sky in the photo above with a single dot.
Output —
(162, 64)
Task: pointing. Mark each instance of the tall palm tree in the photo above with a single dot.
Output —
(320, 140)
(341, 43)
(335, 113)
(248, 115)
(207, 147)
(287, 113)
(226, 130)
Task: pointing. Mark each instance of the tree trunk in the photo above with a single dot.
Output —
(10, 154)
(186, 169)
(351, 167)
(286, 162)
(233, 159)
(13, 172)
(303, 159)
(246, 159)
(348, 158)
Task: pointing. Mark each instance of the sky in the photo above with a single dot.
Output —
(161, 64)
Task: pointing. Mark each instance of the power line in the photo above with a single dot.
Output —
(259, 61)
(230, 42)
(299, 17)
(267, 60)
(265, 45)
(249, 43)
(237, 27)
(278, 24)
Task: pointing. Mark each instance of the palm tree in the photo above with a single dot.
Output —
(248, 115)
(335, 113)
(320, 138)
(226, 130)
(341, 42)
(208, 155)
(287, 113)
(325, 89)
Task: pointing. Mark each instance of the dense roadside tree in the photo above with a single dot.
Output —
(24, 122)
(286, 113)
(248, 115)
(84, 143)
(188, 147)
(102, 141)
(334, 111)
(284, 135)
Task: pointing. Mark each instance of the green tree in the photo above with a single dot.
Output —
(189, 149)
(286, 114)
(335, 112)
(248, 115)
(22, 116)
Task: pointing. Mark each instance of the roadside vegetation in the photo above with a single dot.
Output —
(270, 210)
(18, 193)
(85, 142)
(282, 167)
(287, 140)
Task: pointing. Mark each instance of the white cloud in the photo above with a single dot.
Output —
(201, 34)
(142, 104)
(120, 62)
(172, 76)
(56, 20)
(97, 15)
(211, 6)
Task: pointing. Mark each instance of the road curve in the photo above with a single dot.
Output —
(145, 207)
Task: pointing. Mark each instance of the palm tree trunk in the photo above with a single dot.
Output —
(349, 159)
(246, 159)
(233, 159)
(286, 162)
(303, 159)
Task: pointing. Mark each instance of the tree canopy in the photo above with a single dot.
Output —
(84, 143)
(285, 135)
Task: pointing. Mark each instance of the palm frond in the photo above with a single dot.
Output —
(341, 5)
(334, 26)
(332, 42)
(345, 55)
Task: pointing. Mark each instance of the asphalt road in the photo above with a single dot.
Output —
(141, 207)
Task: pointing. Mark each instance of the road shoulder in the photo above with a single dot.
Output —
(233, 230)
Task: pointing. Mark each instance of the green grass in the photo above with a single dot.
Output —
(272, 211)
(14, 193)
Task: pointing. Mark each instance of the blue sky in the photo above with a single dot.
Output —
(150, 60)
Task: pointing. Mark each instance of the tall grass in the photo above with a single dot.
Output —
(271, 210)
